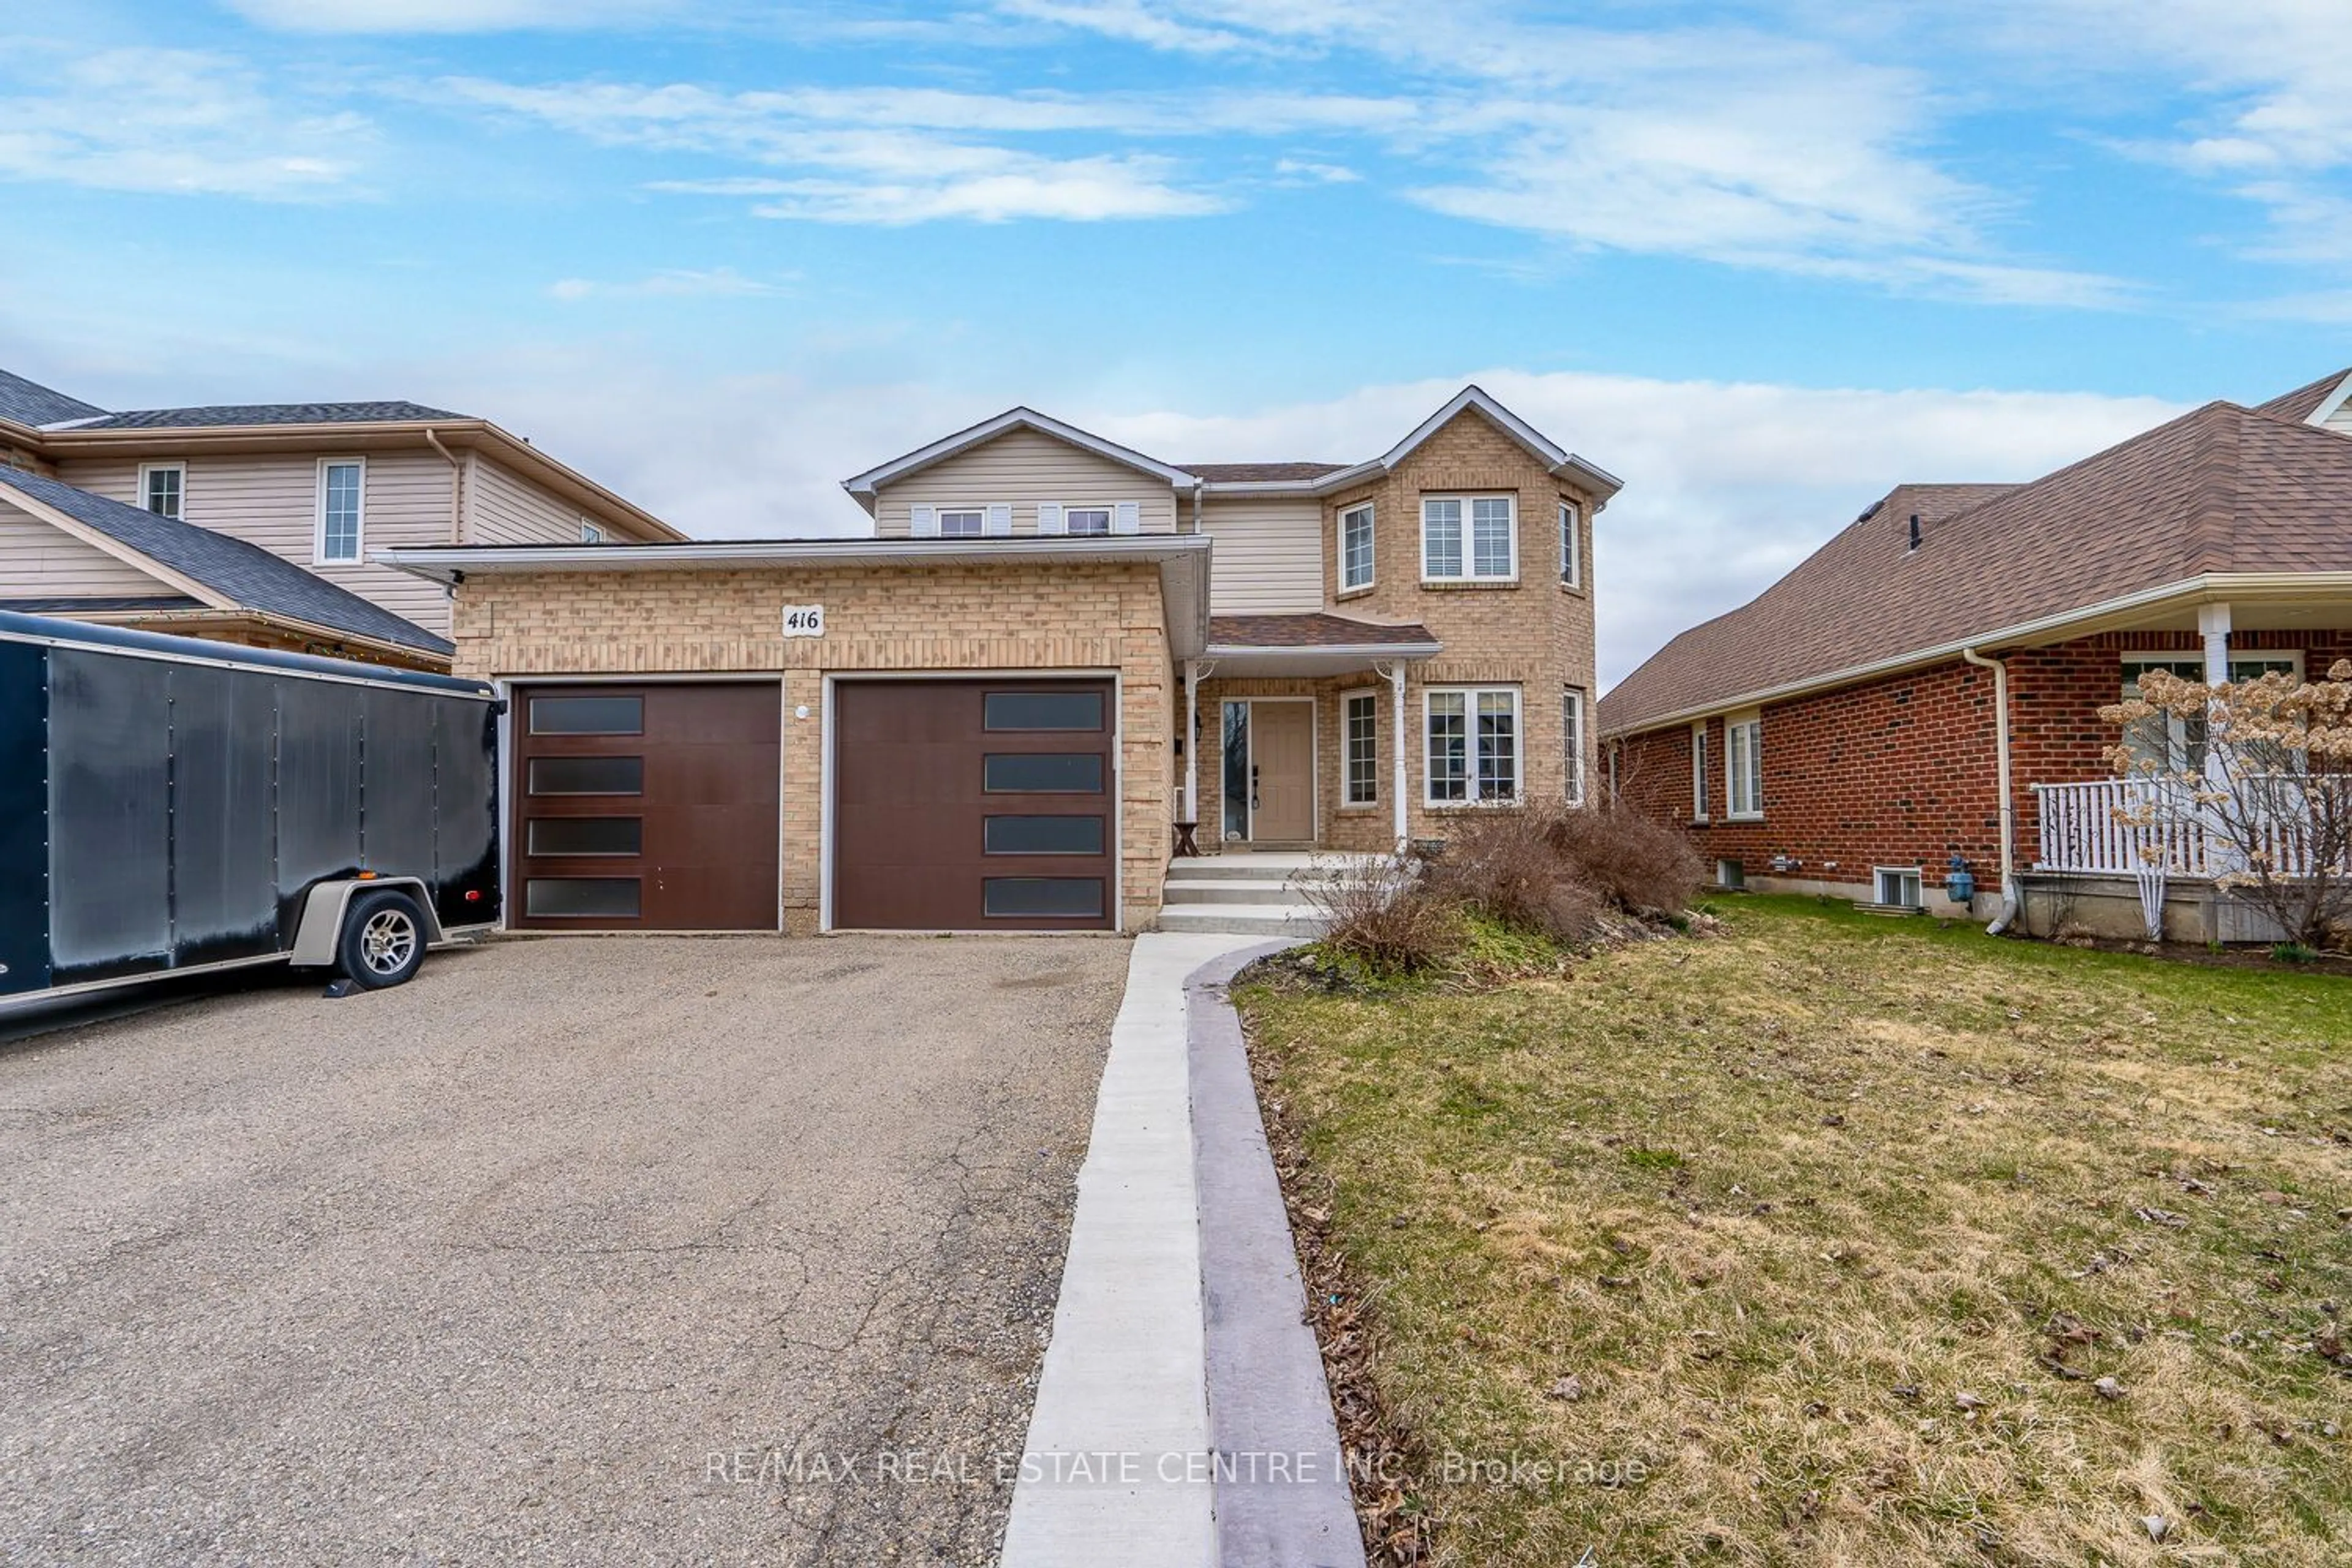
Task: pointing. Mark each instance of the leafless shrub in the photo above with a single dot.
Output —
(1626, 856)
(1384, 914)
(1559, 869)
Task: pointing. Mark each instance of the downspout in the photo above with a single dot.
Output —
(457, 486)
(2008, 801)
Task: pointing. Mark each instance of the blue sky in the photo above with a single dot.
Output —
(1761, 260)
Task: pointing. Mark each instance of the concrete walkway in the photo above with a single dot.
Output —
(1116, 1467)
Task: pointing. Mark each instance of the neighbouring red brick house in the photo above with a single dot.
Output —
(1842, 732)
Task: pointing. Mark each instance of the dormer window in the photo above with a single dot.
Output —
(162, 487)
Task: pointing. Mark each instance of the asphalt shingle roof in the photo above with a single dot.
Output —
(67, 604)
(1259, 473)
(230, 414)
(2223, 488)
(1309, 630)
(30, 402)
(2304, 400)
(246, 573)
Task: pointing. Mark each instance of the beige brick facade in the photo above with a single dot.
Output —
(1103, 618)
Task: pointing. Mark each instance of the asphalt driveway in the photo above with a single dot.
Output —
(580, 1250)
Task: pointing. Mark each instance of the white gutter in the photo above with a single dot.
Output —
(2008, 800)
(441, 565)
(1404, 650)
(2084, 620)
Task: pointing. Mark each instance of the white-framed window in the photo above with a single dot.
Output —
(590, 532)
(1743, 765)
(1473, 744)
(1356, 548)
(962, 522)
(1085, 520)
(1359, 746)
(1469, 539)
(342, 507)
(1571, 745)
(163, 488)
(2175, 742)
(1899, 887)
(1698, 772)
(1571, 544)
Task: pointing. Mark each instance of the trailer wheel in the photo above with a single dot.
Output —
(382, 940)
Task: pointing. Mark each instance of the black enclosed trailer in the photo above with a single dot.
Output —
(169, 805)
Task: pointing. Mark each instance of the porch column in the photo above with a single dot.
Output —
(1191, 740)
(1396, 687)
(2213, 626)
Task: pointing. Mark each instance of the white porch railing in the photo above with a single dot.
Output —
(2136, 825)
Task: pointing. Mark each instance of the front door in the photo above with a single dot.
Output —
(1282, 773)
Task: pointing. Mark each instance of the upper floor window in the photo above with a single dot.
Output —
(962, 523)
(342, 489)
(590, 532)
(1571, 545)
(1743, 766)
(162, 487)
(1356, 548)
(1085, 520)
(1468, 539)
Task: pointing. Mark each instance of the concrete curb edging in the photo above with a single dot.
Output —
(1281, 1487)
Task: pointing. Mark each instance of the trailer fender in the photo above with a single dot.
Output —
(322, 924)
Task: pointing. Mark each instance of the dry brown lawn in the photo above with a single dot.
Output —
(1840, 1240)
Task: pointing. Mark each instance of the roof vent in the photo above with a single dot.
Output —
(1915, 531)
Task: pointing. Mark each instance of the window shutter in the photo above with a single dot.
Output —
(1049, 517)
(926, 523)
(1128, 518)
(1000, 520)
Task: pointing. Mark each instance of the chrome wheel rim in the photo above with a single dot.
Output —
(387, 941)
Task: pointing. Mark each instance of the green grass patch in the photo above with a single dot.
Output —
(1830, 1226)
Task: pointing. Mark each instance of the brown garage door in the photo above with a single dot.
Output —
(645, 808)
(975, 806)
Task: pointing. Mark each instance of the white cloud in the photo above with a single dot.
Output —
(174, 121)
(1302, 172)
(868, 157)
(671, 283)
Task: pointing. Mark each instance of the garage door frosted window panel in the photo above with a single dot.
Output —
(1041, 898)
(1043, 773)
(586, 836)
(583, 897)
(1043, 834)
(587, 715)
(1056, 711)
(587, 775)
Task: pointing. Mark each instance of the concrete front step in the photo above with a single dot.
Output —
(1230, 890)
(1262, 868)
(1241, 919)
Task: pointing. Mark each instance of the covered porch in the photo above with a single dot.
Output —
(1295, 732)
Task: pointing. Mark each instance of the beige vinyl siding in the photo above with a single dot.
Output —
(1024, 467)
(39, 560)
(1268, 558)
(272, 499)
(504, 508)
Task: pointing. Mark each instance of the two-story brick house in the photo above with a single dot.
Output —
(1051, 654)
(256, 524)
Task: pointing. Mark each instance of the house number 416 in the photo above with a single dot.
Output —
(804, 620)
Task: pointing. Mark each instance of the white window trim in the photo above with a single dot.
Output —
(1702, 797)
(1752, 720)
(1571, 544)
(2136, 662)
(1370, 694)
(593, 533)
(939, 518)
(1110, 518)
(318, 556)
(1371, 554)
(1573, 783)
(179, 468)
(1469, 538)
(1519, 747)
(1916, 872)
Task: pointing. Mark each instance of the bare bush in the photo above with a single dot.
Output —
(1626, 856)
(1559, 869)
(1383, 914)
